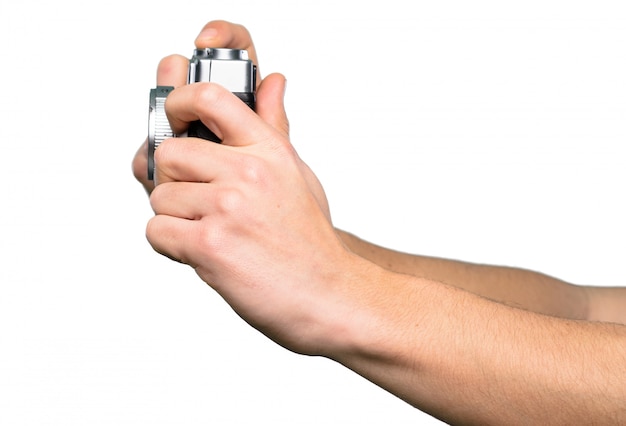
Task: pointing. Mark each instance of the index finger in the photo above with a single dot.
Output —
(172, 71)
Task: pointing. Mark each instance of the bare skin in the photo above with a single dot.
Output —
(512, 286)
(468, 344)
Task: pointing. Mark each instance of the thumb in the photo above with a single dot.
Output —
(270, 102)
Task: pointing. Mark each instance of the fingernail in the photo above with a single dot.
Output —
(207, 34)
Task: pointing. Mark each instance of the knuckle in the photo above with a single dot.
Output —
(207, 95)
(164, 151)
(168, 158)
(230, 202)
(209, 240)
(244, 31)
(158, 197)
(253, 170)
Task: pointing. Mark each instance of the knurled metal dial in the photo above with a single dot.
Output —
(158, 126)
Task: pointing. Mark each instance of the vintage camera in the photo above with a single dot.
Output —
(230, 68)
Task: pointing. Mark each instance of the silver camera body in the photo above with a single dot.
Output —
(230, 68)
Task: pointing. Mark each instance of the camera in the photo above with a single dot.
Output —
(230, 68)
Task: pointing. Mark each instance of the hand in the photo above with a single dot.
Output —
(248, 215)
(172, 71)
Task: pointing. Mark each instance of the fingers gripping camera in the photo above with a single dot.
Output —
(230, 68)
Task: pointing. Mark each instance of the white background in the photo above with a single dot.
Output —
(487, 131)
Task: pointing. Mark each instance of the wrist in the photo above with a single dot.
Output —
(368, 315)
(350, 241)
(347, 316)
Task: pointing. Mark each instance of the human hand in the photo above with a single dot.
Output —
(172, 71)
(248, 215)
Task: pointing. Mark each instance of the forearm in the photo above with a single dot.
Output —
(512, 286)
(607, 304)
(468, 360)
